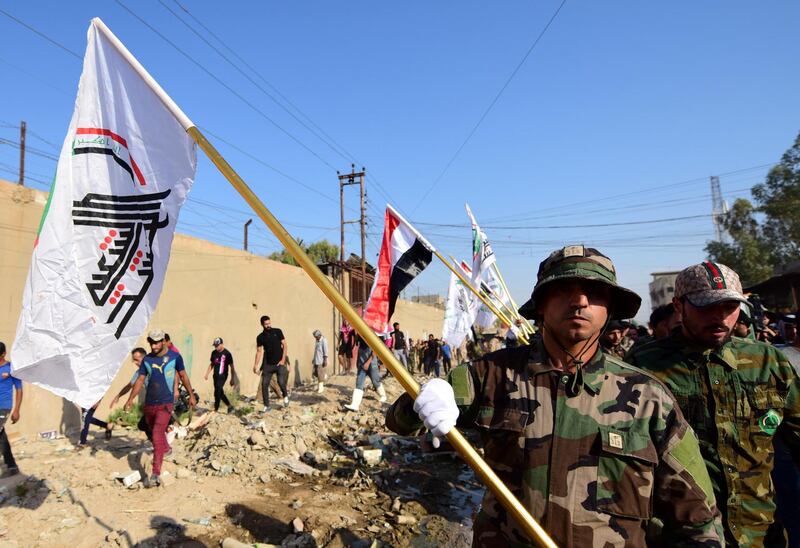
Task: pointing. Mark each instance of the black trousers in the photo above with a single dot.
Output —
(5, 446)
(266, 377)
(219, 391)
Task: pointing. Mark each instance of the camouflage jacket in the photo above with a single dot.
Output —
(736, 399)
(614, 351)
(593, 467)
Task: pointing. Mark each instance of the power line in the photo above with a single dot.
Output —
(273, 168)
(30, 149)
(597, 225)
(243, 73)
(35, 77)
(490, 107)
(339, 149)
(41, 34)
(646, 190)
(45, 154)
(225, 85)
(57, 44)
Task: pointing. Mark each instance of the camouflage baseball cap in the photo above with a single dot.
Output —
(586, 263)
(708, 283)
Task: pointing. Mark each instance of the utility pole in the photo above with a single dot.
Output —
(246, 225)
(354, 178)
(22, 153)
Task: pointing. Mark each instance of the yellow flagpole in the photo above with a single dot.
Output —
(516, 313)
(503, 318)
(456, 439)
(467, 452)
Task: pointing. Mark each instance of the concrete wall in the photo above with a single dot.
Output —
(210, 291)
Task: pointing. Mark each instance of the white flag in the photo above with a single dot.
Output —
(482, 253)
(459, 314)
(99, 261)
(486, 318)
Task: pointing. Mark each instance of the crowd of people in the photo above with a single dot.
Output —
(684, 431)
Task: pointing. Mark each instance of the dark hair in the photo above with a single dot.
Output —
(139, 350)
(264, 318)
(744, 318)
(661, 313)
(2, 348)
(166, 337)
(395, 324)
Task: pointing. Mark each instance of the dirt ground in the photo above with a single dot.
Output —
(258, 478)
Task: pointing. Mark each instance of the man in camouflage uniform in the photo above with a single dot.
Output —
(736, 393)
(592, 447)
(611, 341)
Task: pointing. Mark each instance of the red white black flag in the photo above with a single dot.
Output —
(404, 254)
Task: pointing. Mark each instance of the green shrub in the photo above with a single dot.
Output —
(244, 410)
(127, 418)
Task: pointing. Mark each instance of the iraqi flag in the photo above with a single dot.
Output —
(404, 254)
(98, 264)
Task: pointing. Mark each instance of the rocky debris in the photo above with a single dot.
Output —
(167, 479)
(308, 475)
(371, 457)
(406, 520)
(295, 466)
(130, 478)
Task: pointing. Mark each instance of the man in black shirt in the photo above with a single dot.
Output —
(221, 362)
(399, 347)
(432, 355)
(270, 356)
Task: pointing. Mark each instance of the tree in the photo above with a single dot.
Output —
(748, 255)
(778, 199)
(320, 252)
(759, 247)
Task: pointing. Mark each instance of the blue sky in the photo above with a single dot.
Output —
(620, 114)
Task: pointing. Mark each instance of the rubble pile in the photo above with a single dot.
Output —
(308, 475)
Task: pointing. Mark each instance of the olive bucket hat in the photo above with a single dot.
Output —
(585, 263)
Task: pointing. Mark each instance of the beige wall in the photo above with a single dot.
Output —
(210, 291)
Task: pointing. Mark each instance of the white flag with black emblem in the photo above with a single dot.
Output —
(101, 254)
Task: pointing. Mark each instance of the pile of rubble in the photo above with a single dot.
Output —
(308, 475)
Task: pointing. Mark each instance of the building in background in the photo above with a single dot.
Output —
(437, 301)
(662, 288)
(781, 291)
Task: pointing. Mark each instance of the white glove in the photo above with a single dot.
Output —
(436, 406)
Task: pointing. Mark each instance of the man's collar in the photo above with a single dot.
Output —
(725, 354)
(592, 373)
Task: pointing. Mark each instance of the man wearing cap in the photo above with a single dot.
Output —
(220, 362)
(611, 341)
(592, 447)
(161, 366)
(320, 359)
(741, 328)
(663, 320)
(738, 395)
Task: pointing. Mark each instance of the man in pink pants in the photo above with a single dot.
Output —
(160, 367)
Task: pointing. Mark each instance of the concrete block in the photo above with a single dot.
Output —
(131, 477)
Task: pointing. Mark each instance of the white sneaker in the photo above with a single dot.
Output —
(266, 408)
(286, 401)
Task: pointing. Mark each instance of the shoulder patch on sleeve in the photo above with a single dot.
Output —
(460, 379)
(687, 453)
